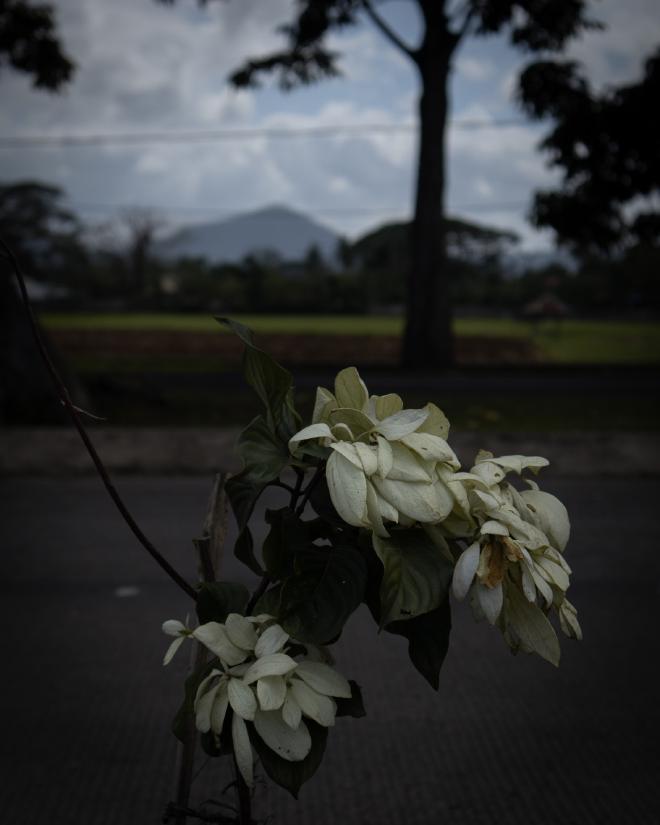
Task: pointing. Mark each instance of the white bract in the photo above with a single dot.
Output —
(514, 569)
(262, 684)
(388, 464)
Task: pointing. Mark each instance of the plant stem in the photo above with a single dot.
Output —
(72, 411)
(258, 593)
(244, 800)
(310, 489)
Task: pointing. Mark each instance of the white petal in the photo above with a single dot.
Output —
(493, 528)
(271, 691)
(431, 448)
(214, 636)
(173, 627)
(531, 626)
(219, 709)
(349, 451)
(203, 708)
(367, 457)
(292, 745)
(241, 698)
(528, 586)
(465, 570)
(551, 516)
(291, 712)
(557, 575)
(306, 434)
(385, 457)
(386, 405)
(350, 389)
(324, 679)
(272, 640)
(274, 664)
(204, 684)
(318, 707)
(417, 500)
(348, 490)
(172, 649)
(240, 631)
(242, 749)
(323, 403)
(407, 466)
(518, 463)
(437, 422)
(490, 600)
(373, 512)
(489, 472)
(402, 423)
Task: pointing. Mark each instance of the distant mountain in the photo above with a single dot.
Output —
(274, 229)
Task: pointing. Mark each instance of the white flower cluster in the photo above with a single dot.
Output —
(262, 684)
(388, 464)
(393, 467)
(515, 566)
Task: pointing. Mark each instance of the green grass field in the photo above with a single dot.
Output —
(563, 342)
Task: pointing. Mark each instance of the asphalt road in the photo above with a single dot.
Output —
(86, 704)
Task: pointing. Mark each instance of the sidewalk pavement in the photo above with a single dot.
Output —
(506, 740)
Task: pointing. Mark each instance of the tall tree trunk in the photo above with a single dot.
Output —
(428, 340)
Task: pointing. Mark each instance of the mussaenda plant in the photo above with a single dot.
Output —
(380, 513)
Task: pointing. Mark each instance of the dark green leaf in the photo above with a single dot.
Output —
(416, 576)
(326, 587)
(243, 494)
(216, 600)
(244, 551)
(291, 775)
(323, 506)
(427, 634)
(270, 602)
(428, 640)
(354, 706)
(287, 535)
(183, 718)
(268, 379)
(263, 453)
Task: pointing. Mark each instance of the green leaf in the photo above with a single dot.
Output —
(287, 535)
(268, 379)
(216, 600)
(291, 775)
(428, 640)
(243, 494)
(180, 723)
(416, 577)
(531, 626)
(269, 602)
(326, 587)
(244, 551)
(263, 453)
(354, 706)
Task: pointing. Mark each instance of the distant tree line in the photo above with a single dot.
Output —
(114, 267)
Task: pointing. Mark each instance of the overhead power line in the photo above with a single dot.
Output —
(86, 206)
(211, 135)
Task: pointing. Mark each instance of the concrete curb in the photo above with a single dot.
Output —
(59, 452)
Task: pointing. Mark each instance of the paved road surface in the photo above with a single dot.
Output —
(86, 703)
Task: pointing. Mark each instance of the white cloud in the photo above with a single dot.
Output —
(145, 66)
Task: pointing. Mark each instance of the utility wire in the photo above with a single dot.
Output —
(86, 206)
(211, 135)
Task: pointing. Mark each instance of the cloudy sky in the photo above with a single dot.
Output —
(146, 67)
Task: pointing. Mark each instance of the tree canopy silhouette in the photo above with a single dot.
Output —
(532, 25)
(608, 147)
(29, 43)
